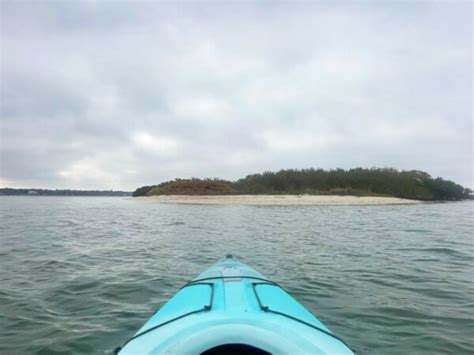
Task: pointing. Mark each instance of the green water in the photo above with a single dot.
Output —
(81, 274)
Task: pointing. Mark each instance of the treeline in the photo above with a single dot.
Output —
(44, 192)
(412, 184)
(189, 187)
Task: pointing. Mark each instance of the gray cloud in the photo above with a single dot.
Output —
(118, 95)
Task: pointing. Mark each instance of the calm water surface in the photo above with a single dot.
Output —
(81, 274)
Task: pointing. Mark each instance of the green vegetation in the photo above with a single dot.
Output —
(192, 187)
(412, 184)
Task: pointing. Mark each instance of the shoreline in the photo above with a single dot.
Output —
(282, 200)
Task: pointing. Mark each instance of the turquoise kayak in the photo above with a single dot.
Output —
(231, 308)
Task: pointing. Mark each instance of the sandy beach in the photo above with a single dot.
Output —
(283, 200)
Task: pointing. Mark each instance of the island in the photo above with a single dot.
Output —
(374, 185)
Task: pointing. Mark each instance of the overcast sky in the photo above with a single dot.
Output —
(116, 95)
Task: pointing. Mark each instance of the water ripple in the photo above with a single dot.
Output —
(80, 275)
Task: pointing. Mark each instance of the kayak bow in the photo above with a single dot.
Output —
(231, 308)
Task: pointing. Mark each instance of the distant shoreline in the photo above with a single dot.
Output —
(281, 200)
(383, 182)
(8, 191)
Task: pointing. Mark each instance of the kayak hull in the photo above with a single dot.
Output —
(230, 303)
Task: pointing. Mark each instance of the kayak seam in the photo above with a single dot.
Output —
(268, 309)
(190, 283)
(206, 307)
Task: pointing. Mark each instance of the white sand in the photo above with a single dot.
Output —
(269, 200)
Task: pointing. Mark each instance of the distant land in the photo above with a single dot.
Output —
(381, 182)
(44, 192)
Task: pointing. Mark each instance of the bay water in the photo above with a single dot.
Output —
(82, 274)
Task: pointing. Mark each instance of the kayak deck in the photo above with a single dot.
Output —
(229, 304)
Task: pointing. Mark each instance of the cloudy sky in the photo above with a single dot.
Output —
(116, 95)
